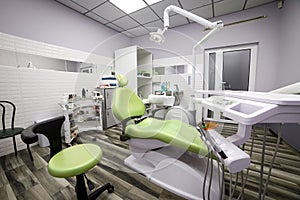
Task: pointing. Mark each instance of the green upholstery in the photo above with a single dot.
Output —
(172, 132)
(122, 80)
(9, 132)
(126, 104)
(74, 160)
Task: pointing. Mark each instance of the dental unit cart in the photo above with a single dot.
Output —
(250, 108)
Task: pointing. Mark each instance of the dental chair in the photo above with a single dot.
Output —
(168, 152)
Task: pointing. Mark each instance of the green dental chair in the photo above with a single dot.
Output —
(129, 109)
(168, 152)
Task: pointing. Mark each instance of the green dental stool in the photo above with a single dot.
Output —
(72, 161)
(75, 161)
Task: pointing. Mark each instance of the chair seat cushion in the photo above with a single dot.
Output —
(10, 132)
(74, 160)
(173, 132)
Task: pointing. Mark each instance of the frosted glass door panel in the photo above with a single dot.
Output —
(236, 68)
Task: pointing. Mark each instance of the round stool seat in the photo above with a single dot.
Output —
(74, 160)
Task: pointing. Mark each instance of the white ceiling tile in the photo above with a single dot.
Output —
(73, 5)
(96, 17)
(192, 4)
(126, 23)
(161, 6)
(113, 26)
(144, 15)
(109, 12)
(153, 26)
(89, 4)
(205, 11)
(253, 3)
(128, 34)
(138, 31)
(228, 6)
(177, 20)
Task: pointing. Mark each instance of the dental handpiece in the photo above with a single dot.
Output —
(215, 147)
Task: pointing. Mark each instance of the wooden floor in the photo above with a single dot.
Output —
(22, 179)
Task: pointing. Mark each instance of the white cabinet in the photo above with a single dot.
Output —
(136, 64)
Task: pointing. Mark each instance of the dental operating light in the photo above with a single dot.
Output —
(158, 36)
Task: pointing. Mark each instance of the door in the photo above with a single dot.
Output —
(231, 68)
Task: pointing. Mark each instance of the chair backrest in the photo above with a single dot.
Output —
(122, 80)
(4, 111)
(127, 104)
(51, 128)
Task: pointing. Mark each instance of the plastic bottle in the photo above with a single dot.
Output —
(163, 87)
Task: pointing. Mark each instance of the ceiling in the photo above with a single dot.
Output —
(148, 19)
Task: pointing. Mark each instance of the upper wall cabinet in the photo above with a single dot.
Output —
(136, 64)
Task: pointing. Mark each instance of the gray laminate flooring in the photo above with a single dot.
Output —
(22, 179)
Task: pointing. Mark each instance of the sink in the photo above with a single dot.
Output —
(161, 99)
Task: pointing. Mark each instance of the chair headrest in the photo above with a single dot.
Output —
(122, 80)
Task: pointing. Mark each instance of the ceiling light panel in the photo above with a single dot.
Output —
(127, 7)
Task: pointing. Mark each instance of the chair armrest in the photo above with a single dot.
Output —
(28, 136)
(158, 109)
(137, 119)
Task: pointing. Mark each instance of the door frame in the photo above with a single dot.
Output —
(219, 63)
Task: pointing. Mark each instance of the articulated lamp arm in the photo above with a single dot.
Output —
(158, 36)
(198, 19)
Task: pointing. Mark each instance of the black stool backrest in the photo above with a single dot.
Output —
(51, 128)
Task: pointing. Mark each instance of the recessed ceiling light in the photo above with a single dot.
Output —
(129, 6)
(150, 2)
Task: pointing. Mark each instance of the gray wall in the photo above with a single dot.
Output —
(50, 22)
(289, 57)
(265, 32)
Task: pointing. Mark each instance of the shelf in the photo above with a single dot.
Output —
(146, 77)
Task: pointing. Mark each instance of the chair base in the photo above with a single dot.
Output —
(82, 193)
(162, 166)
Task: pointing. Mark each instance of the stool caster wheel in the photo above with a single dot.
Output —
(110, 189)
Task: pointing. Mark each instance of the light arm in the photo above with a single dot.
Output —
(198, 19)
(159, 37)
